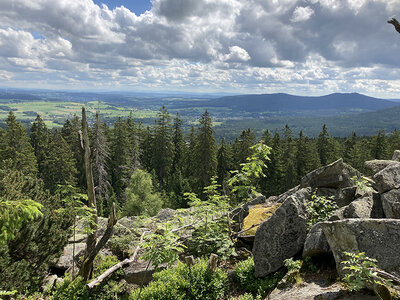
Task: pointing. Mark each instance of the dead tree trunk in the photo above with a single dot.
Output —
(92, 248)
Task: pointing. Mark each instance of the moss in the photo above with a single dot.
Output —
(258, 214)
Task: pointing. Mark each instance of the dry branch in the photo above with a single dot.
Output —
(116, 267)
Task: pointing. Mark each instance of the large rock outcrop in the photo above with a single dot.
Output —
(335, 175)
(282, 235)
(378, 238)
(316, 243)
(388, 178)
(391, 204)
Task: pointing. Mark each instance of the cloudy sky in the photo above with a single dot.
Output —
(307, 47)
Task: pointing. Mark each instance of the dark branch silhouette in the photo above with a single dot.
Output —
(395, 23)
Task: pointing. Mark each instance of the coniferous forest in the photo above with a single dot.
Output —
(138, 171)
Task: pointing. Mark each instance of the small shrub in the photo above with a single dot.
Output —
(319, 209)
(121, 246)
(76, 289)
(361, 272)
(185, 283)
(293, 267)
(244, 276)
(212, 238)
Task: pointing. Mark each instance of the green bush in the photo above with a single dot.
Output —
(185, 283)
(361, 272)
(110, 288)
(319, 209)
(121, 246)
(244, 276)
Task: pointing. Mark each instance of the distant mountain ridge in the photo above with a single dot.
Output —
(287, 102)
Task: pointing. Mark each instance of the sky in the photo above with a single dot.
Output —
(303, 47)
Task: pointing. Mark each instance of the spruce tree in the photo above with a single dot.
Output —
(60, 166)
(224, 162)
(380, 147)
(327, 147)
(40, 140)
(16, 151)
(307, 158)
(241, 147)
(289, 159)
(70, 133)
(162, 147)
(205, 153)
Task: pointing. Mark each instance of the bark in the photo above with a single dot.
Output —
(116, 267)
(92, 248)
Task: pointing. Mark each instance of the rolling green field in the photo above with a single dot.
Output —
(55, 113)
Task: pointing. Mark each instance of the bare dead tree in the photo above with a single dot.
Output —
(395, 23)
(92, 246)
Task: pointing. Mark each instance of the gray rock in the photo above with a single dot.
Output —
(378, 238)
(366, 207)
(239, 214)
(285, 195)
(335, 175)
(166, 214)
(316, 243)
(140, 272)
(128, 222)
(388, 178)
(342, 197)
(378, 165)
(366, 191)
(49, 281)
(318, 290)
(65, 261)
(282, 235)
(396, 155)
(391, 204)
(338, 214)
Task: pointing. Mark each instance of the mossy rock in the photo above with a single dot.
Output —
(258, 214)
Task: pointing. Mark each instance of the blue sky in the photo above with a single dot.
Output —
(137, 6)
(304, 47)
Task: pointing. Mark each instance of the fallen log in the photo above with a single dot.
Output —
(118, 266)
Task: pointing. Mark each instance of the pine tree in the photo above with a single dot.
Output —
(267, 137)
(307, 158)
(70, 133)
(224, 162)
(125, 155)
(241, 147)
(348, 146)
(60, 166)
(327, 147)
(40, 140)
(394, 141)
(289, 159)
(380, 148)
(205, 153)
(162, 147)
(272, 183)
(16, 151)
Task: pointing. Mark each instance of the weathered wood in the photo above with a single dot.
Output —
(189, 260)
(87, 264)
(116, 267)
(213, 262)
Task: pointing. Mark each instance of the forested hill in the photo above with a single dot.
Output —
(289, 103)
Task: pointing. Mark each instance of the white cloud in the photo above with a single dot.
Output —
(302, 14)
(210, 44)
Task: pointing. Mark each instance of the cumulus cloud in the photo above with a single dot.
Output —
(211, 44)
(301, 14)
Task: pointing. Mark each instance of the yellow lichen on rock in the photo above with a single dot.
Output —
(258, 214)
